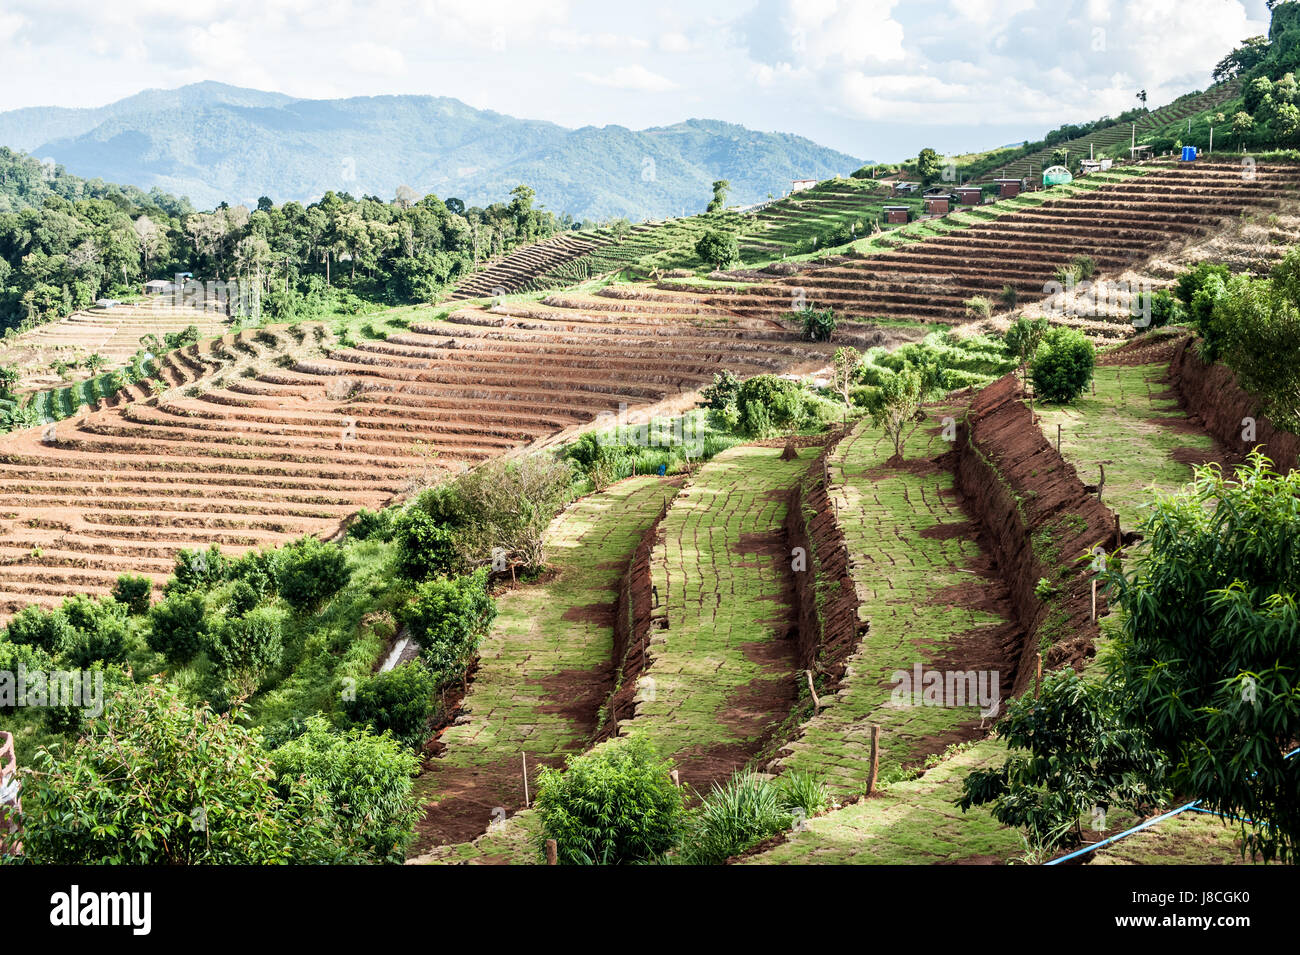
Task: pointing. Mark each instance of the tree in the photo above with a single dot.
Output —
(614, 805)
(846, 363)
(154, 781)
(818, 325)
(179, 627)
(1242, 123)
(309, 571)
(245, 646)
(895, 404)
(1241, 60)
(1022, 340)
(399, 701)
(133, 593)
(9, 378)
(366, 777)
(448, 618)
(1207, 659)
(1071, 752)
(508, 505)
(1063, 365)
(928, 166)
(718, 248)
(719, 200)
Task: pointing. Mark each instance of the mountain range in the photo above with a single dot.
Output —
(213, 143)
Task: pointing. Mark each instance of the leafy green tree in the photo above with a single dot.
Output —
(719, 200)
(399, 701)
(248, 645)
(1207, 659)
(309, 571)
(1063, 366)
(614, 805)
(846, 362)
(895, 405)
(154, 781)
(448, 618)
(367, 779)
(197, 570)
(133, 593)
(508, 505)
(1022, 341)
(179, 627)
(9, 377)
(928, 166)
(426, 546)
(48, 630)
(719, 248)
(817, 325)
(1071, 753)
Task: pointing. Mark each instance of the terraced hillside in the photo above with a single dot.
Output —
(1119, 225)
(804, 221)
(519, 270)
(270, 434)
(113, 333)
(1120, 134)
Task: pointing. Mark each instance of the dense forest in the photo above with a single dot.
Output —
(66, 241)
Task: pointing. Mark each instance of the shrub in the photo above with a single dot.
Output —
(257, 569)
(373, 525)
(1063, 366)
(367, 779)
(241, 598)
(133, 593)
(197, 570)
(769, 403)
(47, 630)
(155, 781)
(508, 506)
(1194, 279)
(736, 815)
(1010, 295)
(616, 804)
(309, 571)
(722, 393)
(425, 547)
(101, 633)
(179, 627)
(399, 701)
(448, 619)
(250, 644)
(1155, 309)
(978, 307)
(818, 325)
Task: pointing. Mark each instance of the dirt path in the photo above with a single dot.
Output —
(544, 670)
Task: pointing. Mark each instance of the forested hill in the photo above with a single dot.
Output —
(214, 143)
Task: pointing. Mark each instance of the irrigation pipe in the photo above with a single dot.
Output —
(1194, 806)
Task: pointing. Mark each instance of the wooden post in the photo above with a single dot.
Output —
(817, 703)
(677, 779)
(524, 757)
(1102, 482)
(552, 853)
(1038, 674)
(1119, 537)
(1058, 439)
(875, 759)
(1094, 598)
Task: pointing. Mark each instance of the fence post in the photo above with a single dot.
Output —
(552, 853)
(875, 759)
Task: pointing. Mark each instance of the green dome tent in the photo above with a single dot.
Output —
(1056, 176)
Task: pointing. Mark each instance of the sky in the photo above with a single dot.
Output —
(878, 79)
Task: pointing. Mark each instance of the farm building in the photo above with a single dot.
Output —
(1009, 187)
(938, 204)
(904, 188)
(897, 214)
(1093, 165)
(969, 195)
(799, 185)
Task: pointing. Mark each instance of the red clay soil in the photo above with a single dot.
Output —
(1211, 393)
(1019, 486)
(829, 633)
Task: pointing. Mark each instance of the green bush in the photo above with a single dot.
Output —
(241, 598)
(718, 248)
(616, 804)
(736, 815)
(426, 534)
(47, 630)
(249, 644)
(1063, 366)
(257, 569)
(309, 571)
(179, 627)
(399, 701)
(101, 631)
(818, 325)
(133, 593)
(373, 525)
(448, 618)
(367, 779)
(197, 570)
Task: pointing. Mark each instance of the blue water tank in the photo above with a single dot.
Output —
(1189, 154)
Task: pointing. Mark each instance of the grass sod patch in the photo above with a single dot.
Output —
(563, 625)
(512, 842)
(722, 589)
(900, 567)
(914, 822)
(1133, 427)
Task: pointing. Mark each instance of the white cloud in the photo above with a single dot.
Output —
(635, 77)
